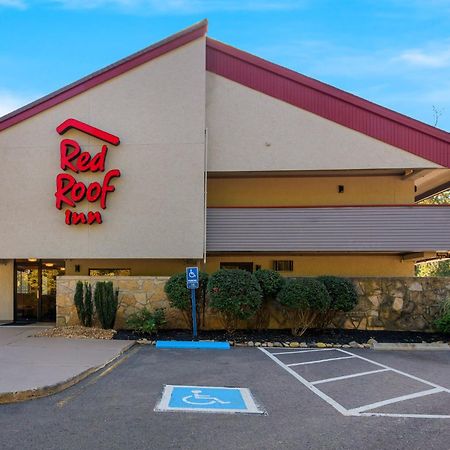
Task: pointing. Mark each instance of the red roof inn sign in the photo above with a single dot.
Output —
(69, 191)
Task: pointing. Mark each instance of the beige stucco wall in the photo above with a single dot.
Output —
(310, 191)
(6, 290)
(250, 131)
(158, 111)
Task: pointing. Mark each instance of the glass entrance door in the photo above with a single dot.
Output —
(36, 290)
(27, 292)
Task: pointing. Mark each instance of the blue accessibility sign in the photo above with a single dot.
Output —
(208, 399)
(192, 277)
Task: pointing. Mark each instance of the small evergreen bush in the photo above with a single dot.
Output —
(180, 297)
(106, 303)
(83, 303)
(442, 323)
(271, 282)
(343, 296)
(235, 294)
(147, 322)
(304, 299)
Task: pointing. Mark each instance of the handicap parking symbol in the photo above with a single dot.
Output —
(208, 399)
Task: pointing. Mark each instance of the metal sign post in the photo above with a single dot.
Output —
(192, 283)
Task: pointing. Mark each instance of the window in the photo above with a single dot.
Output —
(109, 272)
(248, 266)
(283, 265)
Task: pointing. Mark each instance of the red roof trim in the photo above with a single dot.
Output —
(411, 205)
(160, 48)
(329, 102)
(88, 129)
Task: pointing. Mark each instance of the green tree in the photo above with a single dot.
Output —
(435, 268)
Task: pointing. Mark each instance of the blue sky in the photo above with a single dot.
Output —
(395, 53)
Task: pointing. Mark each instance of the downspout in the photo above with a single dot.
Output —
(205, 193)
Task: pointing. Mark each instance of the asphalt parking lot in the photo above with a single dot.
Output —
(310, 404)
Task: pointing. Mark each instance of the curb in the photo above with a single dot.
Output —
(418, 346)
(31, 394)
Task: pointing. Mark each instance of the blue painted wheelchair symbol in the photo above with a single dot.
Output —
(199, 399)
(207, 399)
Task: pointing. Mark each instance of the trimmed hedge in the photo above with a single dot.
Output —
(270, 281)
(306, 298)
(236, 294)
(342, 292)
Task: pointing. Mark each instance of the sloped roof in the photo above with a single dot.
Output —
(286, 85)
(124, 65)
(329, 102)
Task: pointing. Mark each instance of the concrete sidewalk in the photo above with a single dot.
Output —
(33, 367)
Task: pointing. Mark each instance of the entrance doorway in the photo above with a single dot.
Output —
(35, 294)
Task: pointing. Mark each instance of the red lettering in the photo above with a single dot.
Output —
(106, 187)
(94, 217)
(98, 161)
(78, 192)
(64, 183)
(78, 218)
(83, 162)
(68, 217)
(93, 192)
(66, 157)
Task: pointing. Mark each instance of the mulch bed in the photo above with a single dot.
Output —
(310, 337)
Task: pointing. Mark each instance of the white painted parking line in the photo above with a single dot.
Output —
(396, 400)
(397, 371)
(306, 383)
(353, 375)
(361, 410)
(303, 351)
(320, 361)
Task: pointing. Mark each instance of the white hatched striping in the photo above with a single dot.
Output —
(319, 361)
(360, 411)
(353, 375)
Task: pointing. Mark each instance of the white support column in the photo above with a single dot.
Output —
(6, 289)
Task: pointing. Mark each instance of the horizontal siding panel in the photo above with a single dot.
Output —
(381, 229)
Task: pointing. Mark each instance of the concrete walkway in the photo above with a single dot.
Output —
(32, 367)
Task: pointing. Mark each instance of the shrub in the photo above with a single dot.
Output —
(304, 298)
(106, 303)
(147, 322)
(236, 294)
(271, 282)
(343, 296)
(180, 297)
(442, 323)
(83, 303)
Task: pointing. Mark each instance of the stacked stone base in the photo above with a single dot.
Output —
(405, 304)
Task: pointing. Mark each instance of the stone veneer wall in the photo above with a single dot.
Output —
(384, 303)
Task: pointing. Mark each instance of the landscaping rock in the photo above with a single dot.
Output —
(257, 344)
(371, 342)
(303, 345)
(270, 344)
(294, 345)
(77, 332)
(250, 344)
(277, 344)
(353, 344)
(321, 345)
(346, 346)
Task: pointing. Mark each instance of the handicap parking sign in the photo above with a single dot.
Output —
(208, 399)
(192, 277)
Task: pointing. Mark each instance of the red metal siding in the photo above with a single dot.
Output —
(329, 102)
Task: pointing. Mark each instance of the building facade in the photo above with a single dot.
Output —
(194, 152)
